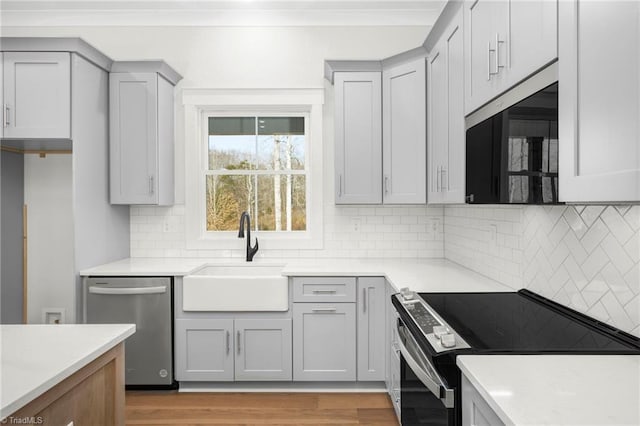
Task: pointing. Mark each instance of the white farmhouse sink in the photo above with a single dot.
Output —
(236, 288)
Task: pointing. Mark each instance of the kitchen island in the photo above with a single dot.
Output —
(63, 374)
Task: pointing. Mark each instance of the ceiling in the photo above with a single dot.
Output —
(219, 12)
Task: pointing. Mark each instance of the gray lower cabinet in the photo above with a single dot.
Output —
(204, 349)
(324, 341)
(263, 349)
(475, 410)
(228, 350)
(371, 328)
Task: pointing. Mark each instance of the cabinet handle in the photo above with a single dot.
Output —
(323, 291)
(438, 179)
(364, 300)
(151, 185)
(228, 345)
(489, 50)
(498, 42)
(323, 309)
(443, 171)
(340, 185)
(386, 184)
(238, 337)
(5, 115)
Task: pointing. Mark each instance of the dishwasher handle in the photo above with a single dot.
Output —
(128, 290)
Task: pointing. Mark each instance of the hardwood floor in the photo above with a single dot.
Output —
(173, 408)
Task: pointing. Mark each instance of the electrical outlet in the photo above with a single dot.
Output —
(53, 315)
(433, 226)
(356, 224)
(493, 234)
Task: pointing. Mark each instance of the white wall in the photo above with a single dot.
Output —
(584, 257)
(50, 264)
(267, 57)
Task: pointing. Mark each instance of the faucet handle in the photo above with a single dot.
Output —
(252, 251)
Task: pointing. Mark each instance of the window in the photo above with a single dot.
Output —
(256, 164)
(254, 150)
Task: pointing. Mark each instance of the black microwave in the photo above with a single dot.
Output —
(512, 155)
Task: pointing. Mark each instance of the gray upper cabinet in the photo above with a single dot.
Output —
(599, 153)
(263, 349)
(37, 95)
(324, 342)
(358, 137)
(371, 328)
(445, 122)
(404, 137)
(204, 349)
(505, 42)
(142, 133)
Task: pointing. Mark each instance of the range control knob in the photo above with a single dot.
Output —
(407, 294)
(439, 330)
(448, 340)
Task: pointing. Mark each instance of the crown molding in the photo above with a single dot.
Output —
(36, 13)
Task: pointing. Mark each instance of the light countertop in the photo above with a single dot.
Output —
(34, 358)
(558, 390)
(420, 275)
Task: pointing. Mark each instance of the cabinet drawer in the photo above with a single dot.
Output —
(324, 289)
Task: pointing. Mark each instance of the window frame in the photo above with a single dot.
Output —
(200, 104)
(257, 172)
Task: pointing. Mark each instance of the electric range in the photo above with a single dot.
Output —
(434, 328)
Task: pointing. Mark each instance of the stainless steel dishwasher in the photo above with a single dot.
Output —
(147, 303)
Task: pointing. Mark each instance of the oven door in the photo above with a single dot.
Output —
(425, 398)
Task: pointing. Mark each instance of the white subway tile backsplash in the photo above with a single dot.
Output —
(587, 257)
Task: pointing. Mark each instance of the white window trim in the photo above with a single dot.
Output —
(200, 102)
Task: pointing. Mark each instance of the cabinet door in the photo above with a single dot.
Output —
(263, 349)
(599, 110)
(324, 342)
(371, 328)
(133, 135)
(37, 94)
(438, 130)
(486, 41)
(475, 410)
(445, 109)
(358, 133)
(533, 37)
(404, 141)
(204, 349)
(453, 171)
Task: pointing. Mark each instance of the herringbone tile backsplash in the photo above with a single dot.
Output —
(585, 257)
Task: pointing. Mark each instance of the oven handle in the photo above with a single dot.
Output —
(445, 394)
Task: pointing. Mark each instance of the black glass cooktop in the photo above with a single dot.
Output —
(525, 322)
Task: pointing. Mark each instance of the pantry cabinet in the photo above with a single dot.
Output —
(358, 137)
(142, 133)
(599, 152)
(505, 42)
(404, 147)
(222, 349)
(445, 120)
(36, 88)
